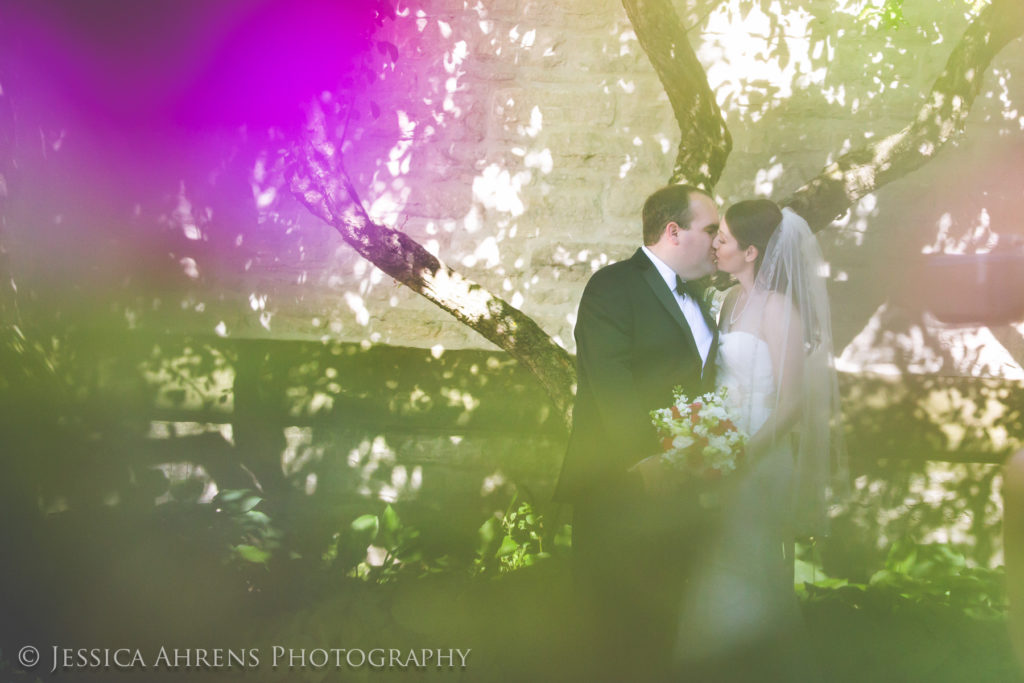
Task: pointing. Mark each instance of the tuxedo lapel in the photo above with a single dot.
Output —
(664, 296)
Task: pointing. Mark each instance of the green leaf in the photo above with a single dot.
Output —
(257, 517)
(508, 546)
(563, 539)
(251, 553)
(886, 577)
(488, 531)
(391, 521)
(249, 502)
(808, 572)
(366, 524)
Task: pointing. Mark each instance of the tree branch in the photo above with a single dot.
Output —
(705, 141)
(320, 182)
(939, 120)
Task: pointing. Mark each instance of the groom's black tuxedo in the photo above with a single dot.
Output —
(631, 550)
(633, 346)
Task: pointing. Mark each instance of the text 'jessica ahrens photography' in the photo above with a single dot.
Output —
(69, 658)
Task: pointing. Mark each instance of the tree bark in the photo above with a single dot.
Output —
(705, 142)
(939, 120)
(322, 185)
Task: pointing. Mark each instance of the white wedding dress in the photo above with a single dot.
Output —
(742, 591)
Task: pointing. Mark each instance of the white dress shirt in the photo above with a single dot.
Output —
(690, 308)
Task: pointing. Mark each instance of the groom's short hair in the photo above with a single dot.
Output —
(667, 205)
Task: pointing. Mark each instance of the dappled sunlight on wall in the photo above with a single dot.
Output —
(783, 75)
(896, 342)
(897, 493)
(933, 502)
(757, 56)
(486, 174)
(969, 204)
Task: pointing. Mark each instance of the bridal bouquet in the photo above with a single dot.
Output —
(697, 435)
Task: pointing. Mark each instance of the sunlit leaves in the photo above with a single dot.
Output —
(888, 15)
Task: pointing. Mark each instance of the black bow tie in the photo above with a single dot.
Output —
(690, 289)
(695, 292)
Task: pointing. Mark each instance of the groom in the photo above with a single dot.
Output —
(641, 331)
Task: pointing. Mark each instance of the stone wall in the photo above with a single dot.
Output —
(535, 130)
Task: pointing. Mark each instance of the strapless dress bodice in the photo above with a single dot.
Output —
(745, 369)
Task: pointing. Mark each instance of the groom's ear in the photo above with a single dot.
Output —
(672, 229)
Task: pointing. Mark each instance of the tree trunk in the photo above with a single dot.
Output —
(940, 118)
(705, 141)
(322, 185)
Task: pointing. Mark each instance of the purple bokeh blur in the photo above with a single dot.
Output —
(124, 122)
(190, 63)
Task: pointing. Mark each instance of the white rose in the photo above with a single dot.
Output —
(715, 412)
(682, 442)
(719, 443)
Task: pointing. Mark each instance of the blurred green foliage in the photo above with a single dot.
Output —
(518, 539)
(914, 576)
(300, 492)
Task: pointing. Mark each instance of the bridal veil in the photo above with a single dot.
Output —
(793, 266)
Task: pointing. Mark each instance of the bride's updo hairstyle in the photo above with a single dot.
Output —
(752, 223)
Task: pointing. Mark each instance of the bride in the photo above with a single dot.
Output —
(774, 359)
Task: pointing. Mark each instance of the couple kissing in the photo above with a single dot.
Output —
(685, 590)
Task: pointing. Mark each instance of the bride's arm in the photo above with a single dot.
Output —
(783, 331)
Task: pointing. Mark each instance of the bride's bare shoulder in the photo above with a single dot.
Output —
(777, 303)
(780, 320)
